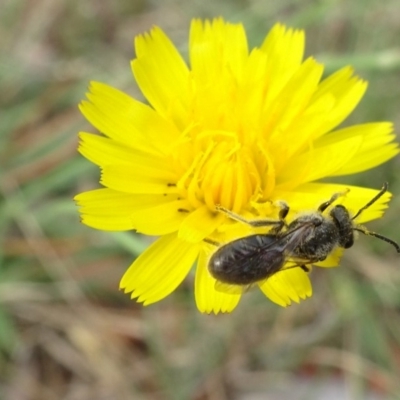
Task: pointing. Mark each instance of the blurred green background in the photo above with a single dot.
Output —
(66, 332)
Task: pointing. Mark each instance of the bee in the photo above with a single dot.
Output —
(308, 239)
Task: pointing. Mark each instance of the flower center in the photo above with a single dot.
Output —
(217, 168)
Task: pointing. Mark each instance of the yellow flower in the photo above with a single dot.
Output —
(234, 127)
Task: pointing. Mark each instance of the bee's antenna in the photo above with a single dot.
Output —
(380, 194)
(377, 235)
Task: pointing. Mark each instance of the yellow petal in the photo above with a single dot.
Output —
(282, 114)
(199, 224)
(293, 98)
(334, 99)
(374, 136)
(231, 289)
(220, 43)
(160, 219)
(284, 49)
(319, 162)
(128, 121)
(162, 75)
(208, 299)
(333, 260)
(347, 91)
(111, 210)
(144, 178)
(103, 151)
(160, 269)
(278, 296)
(369, 160)
(286, 286)
(251, 91)
(311, 195)
(309, 124)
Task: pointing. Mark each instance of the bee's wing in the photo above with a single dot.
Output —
(290, 239)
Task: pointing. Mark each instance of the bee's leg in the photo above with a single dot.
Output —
(284, 211)
(213, 242)
(279, 224)
(304, 268)
(326, 204)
